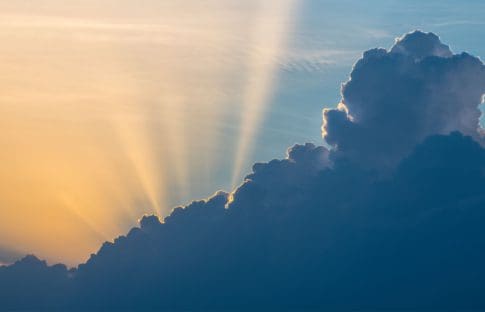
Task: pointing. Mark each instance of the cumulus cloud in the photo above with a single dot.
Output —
(321, 228)
(394, 99)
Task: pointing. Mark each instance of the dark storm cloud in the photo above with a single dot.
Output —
(321, 229)
(394, 99)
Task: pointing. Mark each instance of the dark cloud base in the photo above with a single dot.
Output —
(390, 218)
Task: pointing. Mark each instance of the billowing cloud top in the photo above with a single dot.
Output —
(394, 99)
(321, 229)
(419, 45)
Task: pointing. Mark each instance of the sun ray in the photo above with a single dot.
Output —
(109, 112)
(269, 38)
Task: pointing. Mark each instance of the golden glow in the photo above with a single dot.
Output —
(110, 108)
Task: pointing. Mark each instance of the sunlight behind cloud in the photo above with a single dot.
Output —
(109, 110)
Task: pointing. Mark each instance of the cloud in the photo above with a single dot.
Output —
(394, 99)
(29, 283)
(320, 229)
(8, 255)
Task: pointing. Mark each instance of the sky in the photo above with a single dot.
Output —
(113, 109)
